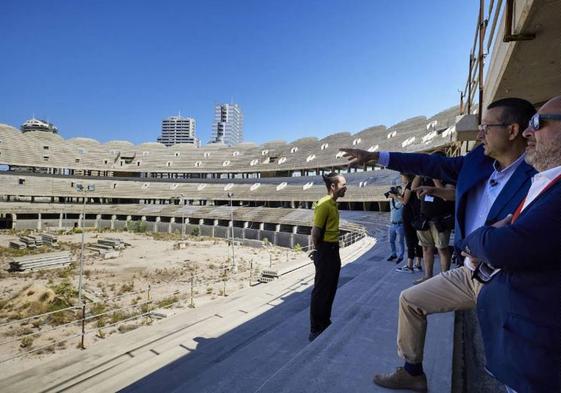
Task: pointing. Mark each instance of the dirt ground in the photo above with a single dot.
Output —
(150, 275)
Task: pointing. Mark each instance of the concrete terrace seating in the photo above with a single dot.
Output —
(41, 149)
(366, 186)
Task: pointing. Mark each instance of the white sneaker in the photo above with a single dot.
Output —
(404, 269)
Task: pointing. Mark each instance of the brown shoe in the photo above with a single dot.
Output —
(401, 379)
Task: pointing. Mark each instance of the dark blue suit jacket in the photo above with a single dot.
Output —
(520, 309)
(467, 171)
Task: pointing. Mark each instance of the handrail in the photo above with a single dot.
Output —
(476, 68)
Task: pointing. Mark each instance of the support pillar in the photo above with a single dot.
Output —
(113, 218)
(170, 226)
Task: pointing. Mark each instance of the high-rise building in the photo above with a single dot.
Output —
(177, 129)
(227, 127)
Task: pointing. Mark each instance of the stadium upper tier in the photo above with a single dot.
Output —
(362, 187)
(57, 155)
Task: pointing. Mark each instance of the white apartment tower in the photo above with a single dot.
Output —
(177, 129)
(227, 127)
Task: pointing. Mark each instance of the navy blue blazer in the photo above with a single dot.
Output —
(466, 172)
(520, 309)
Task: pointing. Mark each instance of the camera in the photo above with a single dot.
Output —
(393, 190)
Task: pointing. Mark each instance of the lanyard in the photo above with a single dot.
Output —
(519, 208)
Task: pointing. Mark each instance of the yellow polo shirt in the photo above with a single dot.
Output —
(326, 213)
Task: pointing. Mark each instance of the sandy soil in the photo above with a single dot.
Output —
(149, 273)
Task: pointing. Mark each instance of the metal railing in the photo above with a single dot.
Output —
(490, 12)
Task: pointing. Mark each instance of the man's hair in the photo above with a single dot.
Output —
(515, 110)
(330, 179)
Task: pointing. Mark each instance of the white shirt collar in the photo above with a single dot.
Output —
(549, 174)
(515, 163)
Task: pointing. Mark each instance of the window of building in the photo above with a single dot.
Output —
(226, 163)
(168, 163)
(254, 162)
(236, 153)
(356, 141)
(310, 157)
(77, 160)
(294, 149)
(177, 154)
(198, 164)
(138, 163)
(282, 160)
(324, 146)
(45, 147)
(45, 158)
(21, 181)
(114, 185)
(206, 154)
(264, 152)
(105, 162)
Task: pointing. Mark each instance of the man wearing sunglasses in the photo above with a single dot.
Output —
(519, 308)
(491, 181)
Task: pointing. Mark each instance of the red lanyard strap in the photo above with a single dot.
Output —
(519, 208)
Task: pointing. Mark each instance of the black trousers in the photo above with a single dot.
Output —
(412, 241)
(328, 266)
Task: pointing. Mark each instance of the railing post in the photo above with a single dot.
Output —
(82, 346)
(482, 26)
(192, 303)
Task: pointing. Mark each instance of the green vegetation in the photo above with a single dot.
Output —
(136, 226)
(168, 301)
(297, 247)
(26, 342)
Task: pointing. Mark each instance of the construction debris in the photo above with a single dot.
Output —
(47, 260)
(268, 276)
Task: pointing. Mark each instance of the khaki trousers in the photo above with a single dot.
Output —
(448, 291)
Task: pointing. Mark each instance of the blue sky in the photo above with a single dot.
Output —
(114, 69)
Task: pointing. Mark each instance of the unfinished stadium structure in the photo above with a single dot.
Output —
(224, 335)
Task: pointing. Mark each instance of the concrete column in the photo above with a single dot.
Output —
(171, 222)
(14, 220)
(97, 221)
(261, 226)
(39, 223)
(295, 229)
(277, 228)
(158, 219)
(246, 225)
(201, 221)
(113, 218)
(60, 216)
(215, 223)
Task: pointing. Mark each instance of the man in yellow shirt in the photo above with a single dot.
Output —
(325, 237)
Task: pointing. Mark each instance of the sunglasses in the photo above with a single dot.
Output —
(536, 122)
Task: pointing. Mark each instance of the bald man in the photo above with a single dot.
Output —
(519, 307)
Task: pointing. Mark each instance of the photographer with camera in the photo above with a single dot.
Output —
(411, 214)
(396, 224)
